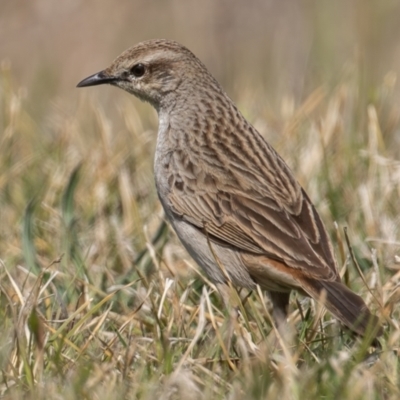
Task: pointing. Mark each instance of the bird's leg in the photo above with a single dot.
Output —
(280, 304)
(280, 307)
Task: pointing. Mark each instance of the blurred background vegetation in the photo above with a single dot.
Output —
(273, 47)
(80, 218)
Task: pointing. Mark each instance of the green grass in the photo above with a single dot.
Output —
(98, 300)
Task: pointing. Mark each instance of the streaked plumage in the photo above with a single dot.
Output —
(222, 185)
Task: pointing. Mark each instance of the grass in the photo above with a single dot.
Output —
(98, 300)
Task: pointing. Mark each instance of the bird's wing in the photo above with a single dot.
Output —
(255, 211)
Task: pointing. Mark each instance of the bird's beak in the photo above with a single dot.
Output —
(97, 79)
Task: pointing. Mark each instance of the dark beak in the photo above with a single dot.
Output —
(97, 79)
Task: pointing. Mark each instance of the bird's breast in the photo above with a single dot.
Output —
(165, 149)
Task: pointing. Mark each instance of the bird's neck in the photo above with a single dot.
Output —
(195, 112)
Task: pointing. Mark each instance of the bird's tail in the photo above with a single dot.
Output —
(344, 304)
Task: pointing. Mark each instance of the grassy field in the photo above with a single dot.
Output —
(98, 300)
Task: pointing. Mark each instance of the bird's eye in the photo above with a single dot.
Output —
(138, 70)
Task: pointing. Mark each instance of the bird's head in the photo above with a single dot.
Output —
(150, 70)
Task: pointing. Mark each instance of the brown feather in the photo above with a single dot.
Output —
(347, 306)
(221, 183)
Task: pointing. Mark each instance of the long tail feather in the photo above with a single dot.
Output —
(347, 306)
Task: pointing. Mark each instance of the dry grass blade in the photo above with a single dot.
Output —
(126, 313)
(199, 330)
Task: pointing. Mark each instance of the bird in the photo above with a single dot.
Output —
(232, 200)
